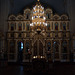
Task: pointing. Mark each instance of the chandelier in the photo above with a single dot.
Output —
(38, 18)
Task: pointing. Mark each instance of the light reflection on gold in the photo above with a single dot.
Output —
(38, 18)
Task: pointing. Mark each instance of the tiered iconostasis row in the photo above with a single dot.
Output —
(57, 49)
(56, 37)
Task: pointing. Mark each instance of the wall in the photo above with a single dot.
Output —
(4, 11)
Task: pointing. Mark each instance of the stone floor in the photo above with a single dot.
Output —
(57, 69)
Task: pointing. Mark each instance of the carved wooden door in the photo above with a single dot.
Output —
(38, 48)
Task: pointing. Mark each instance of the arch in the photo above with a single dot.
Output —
(12, 17)
(64, 17)
(48, 13)
(35, 34)
(20, 17)
(27, 14)
(38, 37)
(49, 10)
(25, 10)
(56, 17)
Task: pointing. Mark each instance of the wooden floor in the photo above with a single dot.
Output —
(56, 69)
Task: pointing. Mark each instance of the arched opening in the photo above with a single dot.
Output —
(56, 26)
(48, 15)
(55, 51)
(49, 50)
(27, 26)
(19, 26)
(64, 26)
(64, 50)
(20, 51)
(12, 26)
(38, 46)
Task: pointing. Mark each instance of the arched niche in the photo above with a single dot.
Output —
(48, 13)
(48, 46)
(12, 26)
(56, 46)
(56, 25)
(19, 26)
(64, 25)
(27, 26)
(27, 14)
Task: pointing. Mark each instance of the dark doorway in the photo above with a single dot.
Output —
(20, 51)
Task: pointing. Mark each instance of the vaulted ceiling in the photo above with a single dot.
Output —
(18, 5)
